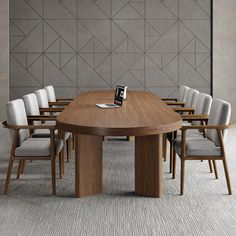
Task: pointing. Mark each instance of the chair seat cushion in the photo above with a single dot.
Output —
(191, 134)
(38, 147)
(45, 133)
(198, 147)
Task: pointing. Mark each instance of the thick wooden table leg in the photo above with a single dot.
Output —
(88, 165)
(148, 165)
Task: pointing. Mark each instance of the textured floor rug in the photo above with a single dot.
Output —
(30, 209)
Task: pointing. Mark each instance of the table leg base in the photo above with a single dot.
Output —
(148, 165)
(88, 165)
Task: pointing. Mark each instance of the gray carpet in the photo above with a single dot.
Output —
(30, 209)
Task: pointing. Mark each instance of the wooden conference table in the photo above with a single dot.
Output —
(144, 115)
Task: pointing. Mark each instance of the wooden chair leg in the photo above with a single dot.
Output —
(182, 176)
(67, 150)
(53, 170)
(73, 141)
(227, 176)
(164, 143)
(23, 166)
(70, 147)
(171, 152)
(215, 169)
(10, 165)
(63, 161)
(61, 164)
(19, 169)
(174, 164)
(210, 166)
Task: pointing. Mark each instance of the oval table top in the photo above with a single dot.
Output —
(143, 113)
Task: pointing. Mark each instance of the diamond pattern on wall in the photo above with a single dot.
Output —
(82, 45)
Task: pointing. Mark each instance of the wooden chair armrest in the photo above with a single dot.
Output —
(62, 103)
(175, 103)
(64, 99)
(170, 99)
(183, 109)
(219, 127)
(17, 127)
(195, 117)
(41, 118)
(51, 109)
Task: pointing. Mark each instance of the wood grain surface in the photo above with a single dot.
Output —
(88, 165)
(148, 165)
(142, 114)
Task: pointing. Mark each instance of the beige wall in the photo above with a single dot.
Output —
(4, 56)
(224, 83)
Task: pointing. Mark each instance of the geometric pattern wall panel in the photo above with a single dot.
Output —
(82, 45)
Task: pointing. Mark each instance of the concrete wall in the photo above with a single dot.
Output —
(224, 84)
(80, 45)
(4, 56)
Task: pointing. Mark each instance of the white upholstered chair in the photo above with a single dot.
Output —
(42, 98)
(45, 106)
(180, 101)
(33, 115)
(42, 102)
(25, 147)
(50, 93)
(210, 147)
(33, 110)
(182, 90)
(202, 110)
(53, 101)
(203, 106)
(190, 100)
(194, 95)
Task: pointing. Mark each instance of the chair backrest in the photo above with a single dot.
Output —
(189, 96)
(185, 94)
(16, 115)
(32, 106)
(203, 106)
(182, 91)
(194, 98)
(219, 115)
(42, 98)
(50, 93)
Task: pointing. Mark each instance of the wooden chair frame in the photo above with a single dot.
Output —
(68, 143)
(170, 99)
(50, 109)
(22, 159)
(181, 104)
(64, 99)
(173, 135)
(59, 103)
(184, 156)
(180, 110)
